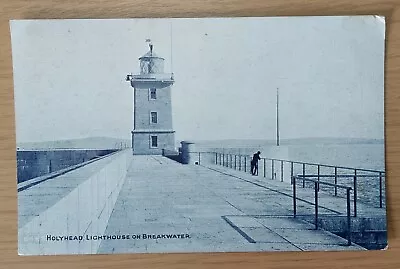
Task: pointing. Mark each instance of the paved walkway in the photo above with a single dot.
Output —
(212, 209)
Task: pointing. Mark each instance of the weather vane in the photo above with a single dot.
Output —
(148, 40)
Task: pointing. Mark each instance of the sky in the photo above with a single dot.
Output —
(69, 76)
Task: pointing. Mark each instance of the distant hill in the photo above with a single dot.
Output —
(83, 143)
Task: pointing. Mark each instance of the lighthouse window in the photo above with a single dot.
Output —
(153, 117)
(153, 94)
(153, 141)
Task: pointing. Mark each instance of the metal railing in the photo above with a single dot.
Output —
(369, 192)
(316, 184)
(335, 185)
(341, 179)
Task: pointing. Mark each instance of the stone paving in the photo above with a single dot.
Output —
(210, 209)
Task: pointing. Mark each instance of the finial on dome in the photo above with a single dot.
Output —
(150, 45)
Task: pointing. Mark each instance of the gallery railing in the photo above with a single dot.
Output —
(368, 185)
(316, 184)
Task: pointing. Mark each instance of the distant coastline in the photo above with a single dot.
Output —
(111, 142)
(82, 143)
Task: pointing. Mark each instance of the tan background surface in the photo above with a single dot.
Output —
(25, 9)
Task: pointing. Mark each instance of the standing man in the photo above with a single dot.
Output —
(254, 163)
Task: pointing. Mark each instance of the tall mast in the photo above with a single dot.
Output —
(277, 116)
(172, 72)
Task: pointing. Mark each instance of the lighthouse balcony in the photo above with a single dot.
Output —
(154, 76)
(157, 80)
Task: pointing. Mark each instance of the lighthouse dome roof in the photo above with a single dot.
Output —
(150, 54)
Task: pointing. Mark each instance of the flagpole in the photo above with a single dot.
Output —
(172, 71)
(277, 116)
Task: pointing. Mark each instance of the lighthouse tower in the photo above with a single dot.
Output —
(152, 112)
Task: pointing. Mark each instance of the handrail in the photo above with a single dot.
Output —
(338, 175)
(316, 187)
(326, 165)
(355, 176)
(306, 178)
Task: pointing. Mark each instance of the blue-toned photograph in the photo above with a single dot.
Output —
(200, 134)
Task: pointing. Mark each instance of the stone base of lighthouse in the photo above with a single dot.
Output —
(143, 143)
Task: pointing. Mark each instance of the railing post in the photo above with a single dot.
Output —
(316, 184)
(348, 218)
(265, 167)
(216, 158)
(255, 167)
(281, 171)
(335, 181)
(272, 168)
(304, 173)
(355, 192)
(223, 159)
(291, 171)
(235, 161)
(318, 175)
(231, 161)
(245, 163)
(380, 190)
(294, 196)
(240, 162)
(199, 158)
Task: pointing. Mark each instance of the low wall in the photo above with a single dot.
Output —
(172, 154)
(83, 213)
(196, 158)
(368, 232)
(35, 163)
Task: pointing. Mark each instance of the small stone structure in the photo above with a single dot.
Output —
(187, 152)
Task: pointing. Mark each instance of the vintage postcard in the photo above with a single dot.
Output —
(200, 135)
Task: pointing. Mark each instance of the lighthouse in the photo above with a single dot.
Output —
(152, 109)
